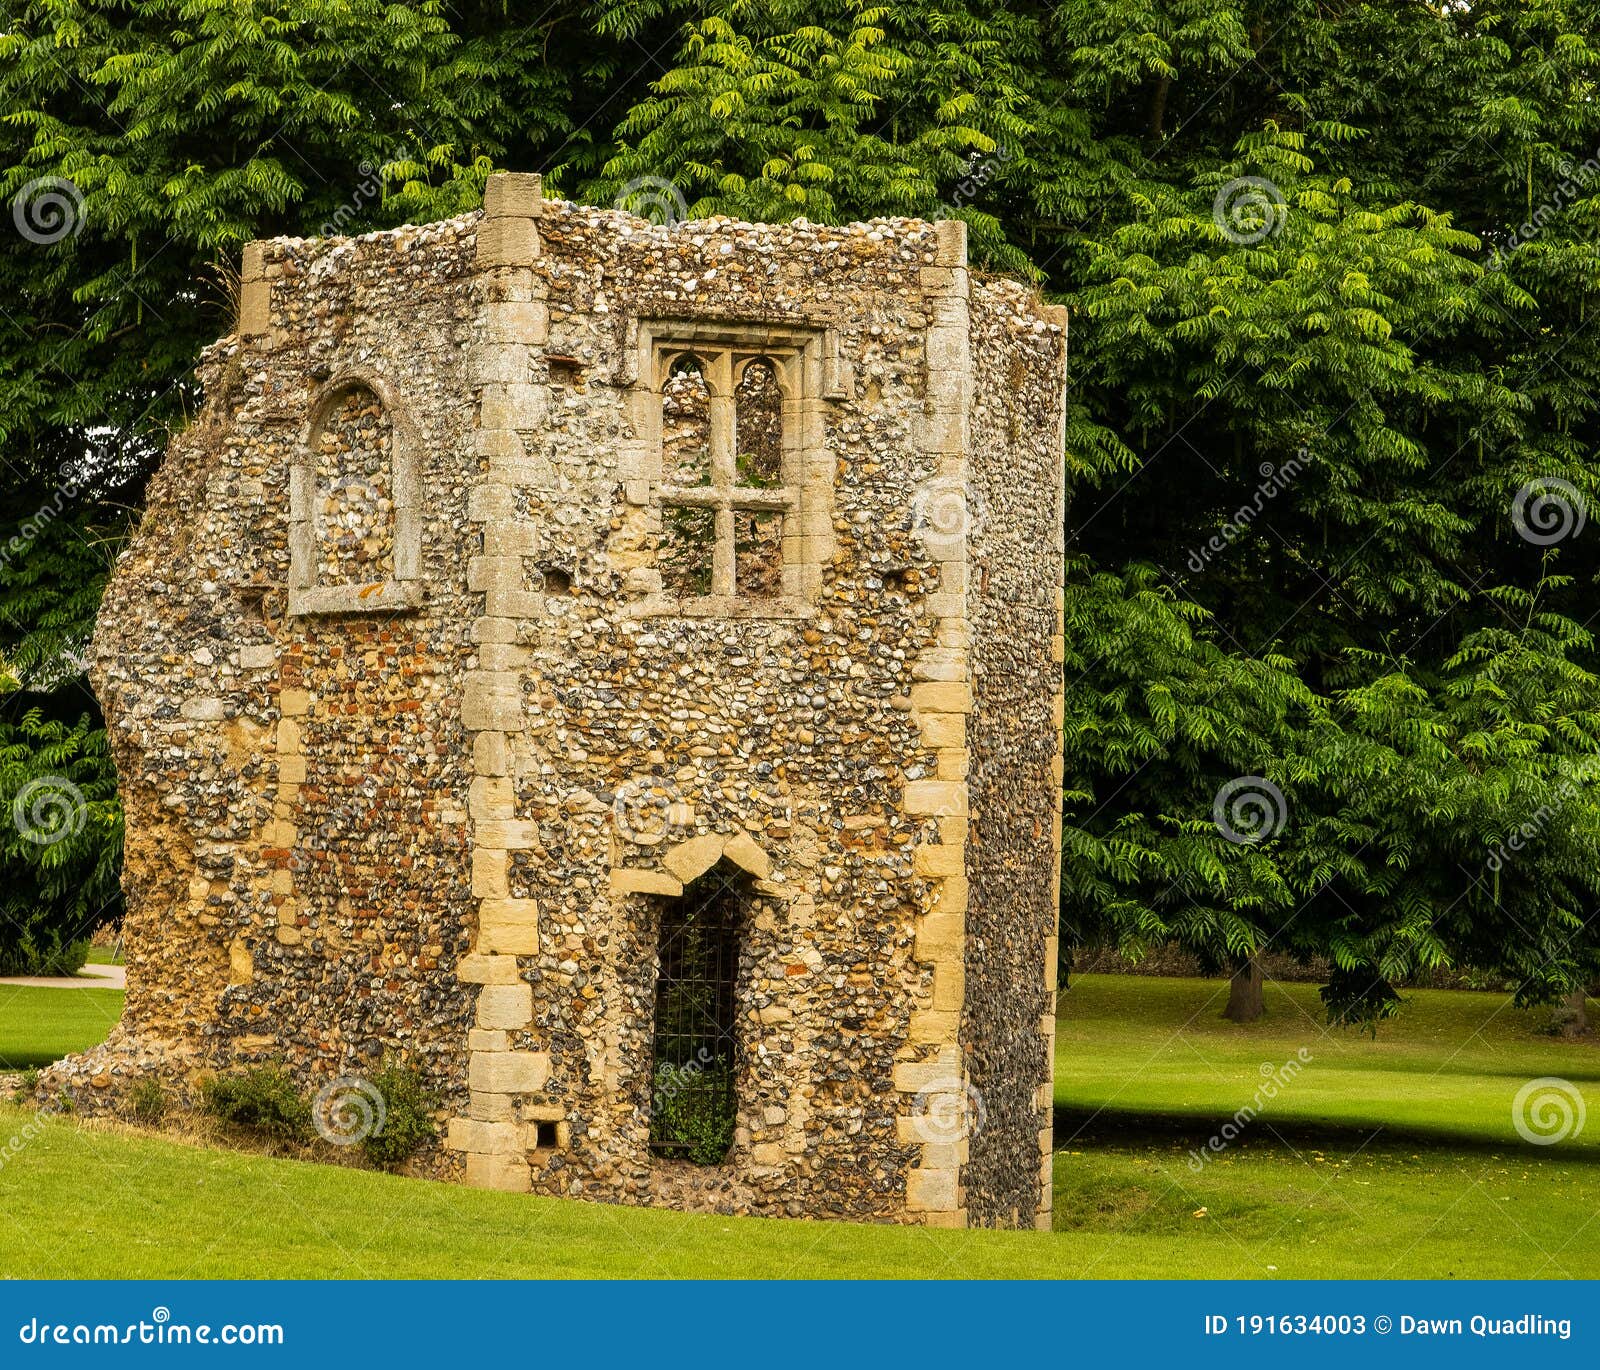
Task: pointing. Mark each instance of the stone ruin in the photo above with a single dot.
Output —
(614, 669)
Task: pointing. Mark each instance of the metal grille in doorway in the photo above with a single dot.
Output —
(695, 1055)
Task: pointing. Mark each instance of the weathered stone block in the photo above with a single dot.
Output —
(633, 880)
(941, 697)
(503, 1172)
(935, 797)
(508, 926)
(509, 1072)
(512, 195)
(693, 858)
(507, 242)
(505, 1006)
(931, 1190)
(488, 969)
(938, 860)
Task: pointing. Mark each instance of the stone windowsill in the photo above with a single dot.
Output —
(375, 597)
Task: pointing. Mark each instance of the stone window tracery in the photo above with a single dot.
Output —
(740, 483)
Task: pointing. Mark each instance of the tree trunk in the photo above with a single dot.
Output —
(1245, 1000)
(1158, 108)
(1573, 1016)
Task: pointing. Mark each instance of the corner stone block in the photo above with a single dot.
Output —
(488, 970)
(471, 1134)
(491, 701)
(950, 243)
(509, 1072)
(509, 927)
(491, 796)
(931, 1190)
(509, 1174)
(943, 730)
(910, 1077)
(499, 363)
(507, 242)
(490, 878)
(506, 834)
(513, 195)
(505, 1006)
(941, 936)
(935, 797)
(937, 859)
(941, 697)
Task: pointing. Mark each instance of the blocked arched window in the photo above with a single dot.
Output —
(354, 511)
(355, 531)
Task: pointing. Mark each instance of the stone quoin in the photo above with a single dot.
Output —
(553, 621)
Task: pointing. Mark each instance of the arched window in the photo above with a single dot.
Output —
(695, 1055)
(688, 531)
(758, 462)
(355, 539)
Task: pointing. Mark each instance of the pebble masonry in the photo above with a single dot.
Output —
(420, 723)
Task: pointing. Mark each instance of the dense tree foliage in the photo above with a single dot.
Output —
(1332, 266)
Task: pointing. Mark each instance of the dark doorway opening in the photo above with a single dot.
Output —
(695, 1054)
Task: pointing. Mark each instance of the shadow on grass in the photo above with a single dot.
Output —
(1080, 1127)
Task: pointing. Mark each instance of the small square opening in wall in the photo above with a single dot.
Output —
(550, 580)
(566, 372)
(546, 1136)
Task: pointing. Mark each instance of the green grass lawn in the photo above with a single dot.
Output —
(104, 956)
(1449, 1067)
(1393, 1157)
(38, 1026)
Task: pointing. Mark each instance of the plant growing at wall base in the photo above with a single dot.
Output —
(260, 1099)
(408, 1117)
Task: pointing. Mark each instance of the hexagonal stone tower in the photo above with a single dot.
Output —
(612, 669)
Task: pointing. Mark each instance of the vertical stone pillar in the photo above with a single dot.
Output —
(255, 292)
(511, 329)
(1057, 314)
(932, 1078)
